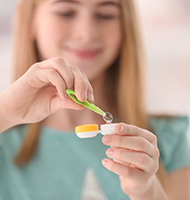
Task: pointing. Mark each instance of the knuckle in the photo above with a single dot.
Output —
(119, 140)
(157, 166)
(58, 60)
(131, 127)
(51, 72)
(74, 68)
(34, 66)
(142, 143)
(154, 139)
(142, 159)
(84, 75)
(137, 130)
(157, 152)
(120, 154)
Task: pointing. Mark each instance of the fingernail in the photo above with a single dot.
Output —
(110, 152)
(121, 130)
(90, 97)
(107, 139)
(104, 162)
(84, 94)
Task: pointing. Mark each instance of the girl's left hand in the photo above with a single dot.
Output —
(135, 158)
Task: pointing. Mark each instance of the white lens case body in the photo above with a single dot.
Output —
(105, 129)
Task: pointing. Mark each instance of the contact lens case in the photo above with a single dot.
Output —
(91, 130)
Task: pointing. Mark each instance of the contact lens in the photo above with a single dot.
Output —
(108, 117)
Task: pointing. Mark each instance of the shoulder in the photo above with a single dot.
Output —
(12, 136)
(10, 140)
(173, 124)
(20, 129)
(172, 140)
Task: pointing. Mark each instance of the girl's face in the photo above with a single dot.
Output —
(85, 33)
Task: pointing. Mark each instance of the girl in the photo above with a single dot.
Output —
(93, 47)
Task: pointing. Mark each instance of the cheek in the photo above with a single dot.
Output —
(51, 32)
(50, 37)
(114, 39)
(113, 46)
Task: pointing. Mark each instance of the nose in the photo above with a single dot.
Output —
(85, 28)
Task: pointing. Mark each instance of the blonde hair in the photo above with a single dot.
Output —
(126, 73)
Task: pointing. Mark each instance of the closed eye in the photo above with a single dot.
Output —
(66, 14)
(106, 16)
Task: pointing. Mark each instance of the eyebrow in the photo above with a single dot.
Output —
(107, 3)
(69, 1)
(103, 3)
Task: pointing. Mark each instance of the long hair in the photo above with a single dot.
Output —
(127, 74)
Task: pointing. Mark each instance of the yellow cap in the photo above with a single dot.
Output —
(86, 128)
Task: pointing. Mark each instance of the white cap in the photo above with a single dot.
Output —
(88, 134)
(108, 129)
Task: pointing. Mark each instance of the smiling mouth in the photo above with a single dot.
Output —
(86, 54)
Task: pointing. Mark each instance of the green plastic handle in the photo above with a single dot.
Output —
(86, 104)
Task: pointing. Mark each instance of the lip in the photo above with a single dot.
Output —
(85, 54)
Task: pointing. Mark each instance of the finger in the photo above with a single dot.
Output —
(90, 93)
(124, 129)
(130, 173)
(140, 160)
(80, 85)
(125, 163)
(134, 143)
(57, 103)
(61, 67)
(51, 76)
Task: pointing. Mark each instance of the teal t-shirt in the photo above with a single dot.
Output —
(67, 167)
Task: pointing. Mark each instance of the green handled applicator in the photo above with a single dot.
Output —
(86, 104)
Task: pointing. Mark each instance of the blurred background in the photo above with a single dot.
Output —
(166, 34)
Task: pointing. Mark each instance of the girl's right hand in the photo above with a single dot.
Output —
(41, 92)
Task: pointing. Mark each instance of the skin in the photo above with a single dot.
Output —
(84, 37)
(80, 26)
(74, 27)
(135, 159)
